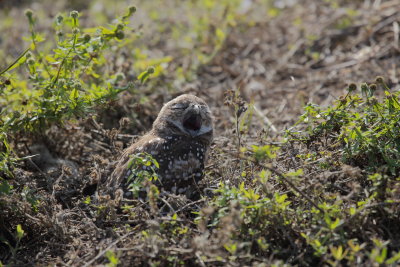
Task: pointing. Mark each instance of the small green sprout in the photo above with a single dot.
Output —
(119, 77)
(352, 87)
(86, 37)
(31, 61)
(119, 35)
(59, 19)
(120, 26)
(379, 79)
(74, 14)
(29, 15)
(132, 9)
(61, 82)
(150, 70)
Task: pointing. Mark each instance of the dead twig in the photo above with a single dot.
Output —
(189, 204)
(265, 119)
(350, 219)
(101, 253)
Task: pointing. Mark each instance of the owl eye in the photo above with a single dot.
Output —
(179, 106)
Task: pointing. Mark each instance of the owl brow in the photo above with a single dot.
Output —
(179, 106)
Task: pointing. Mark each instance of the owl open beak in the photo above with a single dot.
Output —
(193, 122)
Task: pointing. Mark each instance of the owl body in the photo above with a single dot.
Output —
(179, 142)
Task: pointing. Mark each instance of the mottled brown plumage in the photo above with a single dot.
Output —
(179, 141)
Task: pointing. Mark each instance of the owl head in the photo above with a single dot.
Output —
(184, 115)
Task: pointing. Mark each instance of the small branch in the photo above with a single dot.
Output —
(63, 61)
(265, 119)
(189, 204)
(381, 204)
(101, 253)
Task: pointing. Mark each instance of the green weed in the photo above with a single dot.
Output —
(363, 128)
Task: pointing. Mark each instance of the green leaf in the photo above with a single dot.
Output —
(87, 200)
(394, 259)
(382, 256)
(143, 76)
(5, 187)
(337, 252)
(74, 94)
(231, 248)
(332, 224)
(20, 232)
(104, 30)
(113, 259)
(16, 63)
(296, 173)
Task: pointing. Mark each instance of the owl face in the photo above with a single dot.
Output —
(188, 114)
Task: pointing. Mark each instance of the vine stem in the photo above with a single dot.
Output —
(63, 61)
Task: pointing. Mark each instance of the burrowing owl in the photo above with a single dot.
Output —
(179, 140)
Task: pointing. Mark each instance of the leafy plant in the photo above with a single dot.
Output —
(142, 167)
(46, 86)
(66, 82)
(19, 234)
(364, 128)
(112, 258)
